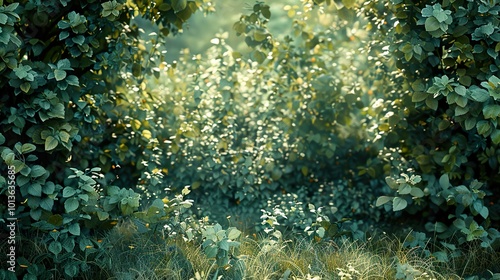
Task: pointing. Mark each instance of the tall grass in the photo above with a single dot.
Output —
(135, 256)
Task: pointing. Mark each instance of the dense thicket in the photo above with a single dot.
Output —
(64, 69)
(350, 107)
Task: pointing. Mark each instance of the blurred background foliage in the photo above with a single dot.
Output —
(318, 118)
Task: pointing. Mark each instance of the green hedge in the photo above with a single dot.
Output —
(65, 66)
(445, 167)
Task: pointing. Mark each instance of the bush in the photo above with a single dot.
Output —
(64, 64)
(445, 158)
(288, 118)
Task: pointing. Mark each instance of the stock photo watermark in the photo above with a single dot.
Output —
(11, 218)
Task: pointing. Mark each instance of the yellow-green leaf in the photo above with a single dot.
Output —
(51, 143)
(147, 134)
(179, 5)
(136, 124)
(64, 136)
(27, 148)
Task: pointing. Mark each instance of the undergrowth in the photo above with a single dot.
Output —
(139, 256)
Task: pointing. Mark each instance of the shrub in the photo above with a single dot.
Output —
(64, 66)
(444, 159)
(290, 117)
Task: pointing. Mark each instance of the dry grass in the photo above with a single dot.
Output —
(377, 258)
(140, 256)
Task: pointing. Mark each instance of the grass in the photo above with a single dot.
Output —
(137, 256)
(141, 256)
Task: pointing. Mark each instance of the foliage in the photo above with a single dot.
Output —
(63, 66)
(304, 221)
(317, 125)
(379, 257)
(220, 245)
(444, 163)
(283, 119)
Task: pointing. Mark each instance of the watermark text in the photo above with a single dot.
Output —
(11, 218)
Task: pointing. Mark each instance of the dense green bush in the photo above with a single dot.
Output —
(306, 114)
(291, 117)
(445, 164)
(352, 106)
(64, 67)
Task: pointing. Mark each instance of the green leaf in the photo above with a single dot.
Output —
(68, 244)
(51, 143)
(25, 87)
(470, 123)
(59, 74)
(440, 227)
(276, 174)
(3, 18)
(479, 94)
(461, 90)
(74, 229)
(25, 171)
(27, 148)
(491, 111)
(47, 203)
(239, 27)
(101, 215)
(404, 189)
(266, 12)
(35, 214)
(72, 80)
(8, 156)
(444, 181)
(224, 245)
(2, 139)
(71, 270)
(258, 56)
(57, 111)
(399, 204)
(78, 40)
(391, 183)
(382, 200)
(211, 251)
(64, 136)
(179, 5)
(321, 232)
(417, 192)
(11, 8)
(37, 171)
(136, 70)
(483, 127)
(441, 256)
(459, 111)
(71, 204)
(484, 212)
(260, 36)
(233, 233)
(431, 103)
(35, 190)
(68, 191)
(419, 96)
(495, 136)
(63, 35)
(19, 165)
(56, 220)
(49, 188)
(432, 24)
(55, 247)
(22, 71)
(164, 7)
